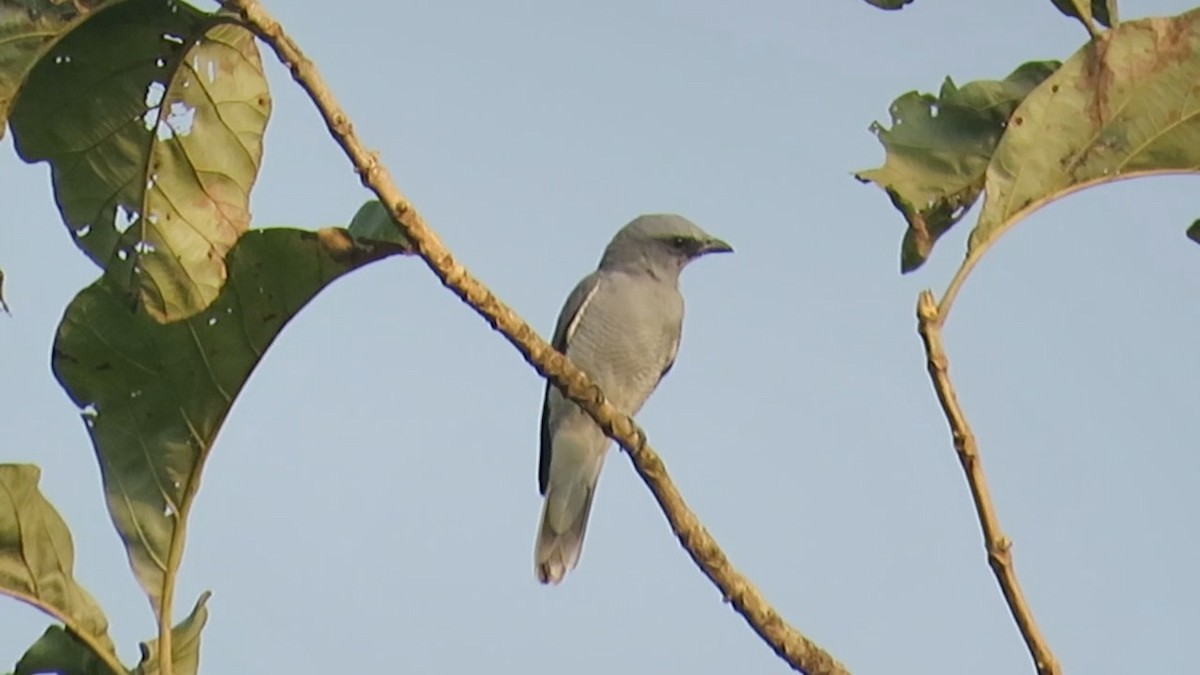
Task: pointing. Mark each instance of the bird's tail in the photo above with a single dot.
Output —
(565, 514)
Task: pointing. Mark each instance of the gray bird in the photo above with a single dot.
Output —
(621, 325)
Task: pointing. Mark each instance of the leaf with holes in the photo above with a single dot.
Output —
(938, 150)
(154, 396)
(37, 559)
(1126, 105)
(151, 115)
(29, 29)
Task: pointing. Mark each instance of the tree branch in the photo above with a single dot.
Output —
(998, 546)
(800, 652)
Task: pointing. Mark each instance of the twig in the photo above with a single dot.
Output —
(800, 652)
(999, 546)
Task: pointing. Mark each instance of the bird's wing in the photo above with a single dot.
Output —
(568, 323)
(670, 359)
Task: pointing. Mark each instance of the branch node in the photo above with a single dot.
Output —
(400, 208)
(927, 311)
(641, 438)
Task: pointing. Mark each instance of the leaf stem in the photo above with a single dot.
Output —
(794, 648)
(998, 546)
(956, 282)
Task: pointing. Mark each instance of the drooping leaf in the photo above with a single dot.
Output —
(1125, 105)
(28, 28)
(185, 644)
(938, 150)
(37, 559)
(889, 4)
(57, 651)
(153, 396)
(151, 115)
(373, 222)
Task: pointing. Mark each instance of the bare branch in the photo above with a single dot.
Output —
(999, 547)
(800, 652)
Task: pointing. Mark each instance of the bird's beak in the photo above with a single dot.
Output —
(715, 245)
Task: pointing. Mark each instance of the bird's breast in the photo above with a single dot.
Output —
(626, 338)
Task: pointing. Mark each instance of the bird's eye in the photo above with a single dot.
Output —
(679, 242)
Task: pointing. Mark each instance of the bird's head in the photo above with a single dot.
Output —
(660, 243)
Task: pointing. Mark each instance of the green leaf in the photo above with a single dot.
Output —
(185, 644)
(1123, 106)
(1105, 12)
(1193, 231)
(1076, 9)
(28, 28)
(373, 222)
(154, 396)
(939, 148)
(151, 115)
(889, 4)
(1102, 11)
(37, 559)
(57, 651)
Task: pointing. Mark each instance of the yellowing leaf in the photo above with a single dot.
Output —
(151, 115)
(1126, 105)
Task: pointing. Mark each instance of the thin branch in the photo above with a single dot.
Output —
(998, 546)
(800, 652)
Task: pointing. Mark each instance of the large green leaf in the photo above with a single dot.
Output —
(151, 115)
(37, 559)
(153, 395)
(58, 651)
(1123, 106)
(185, 644)
(939, 148)
(28, 28)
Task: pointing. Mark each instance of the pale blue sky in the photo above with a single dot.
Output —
(371, 503)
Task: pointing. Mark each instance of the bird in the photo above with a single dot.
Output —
(621, 325)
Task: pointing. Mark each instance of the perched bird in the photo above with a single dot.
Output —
(621, 325)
